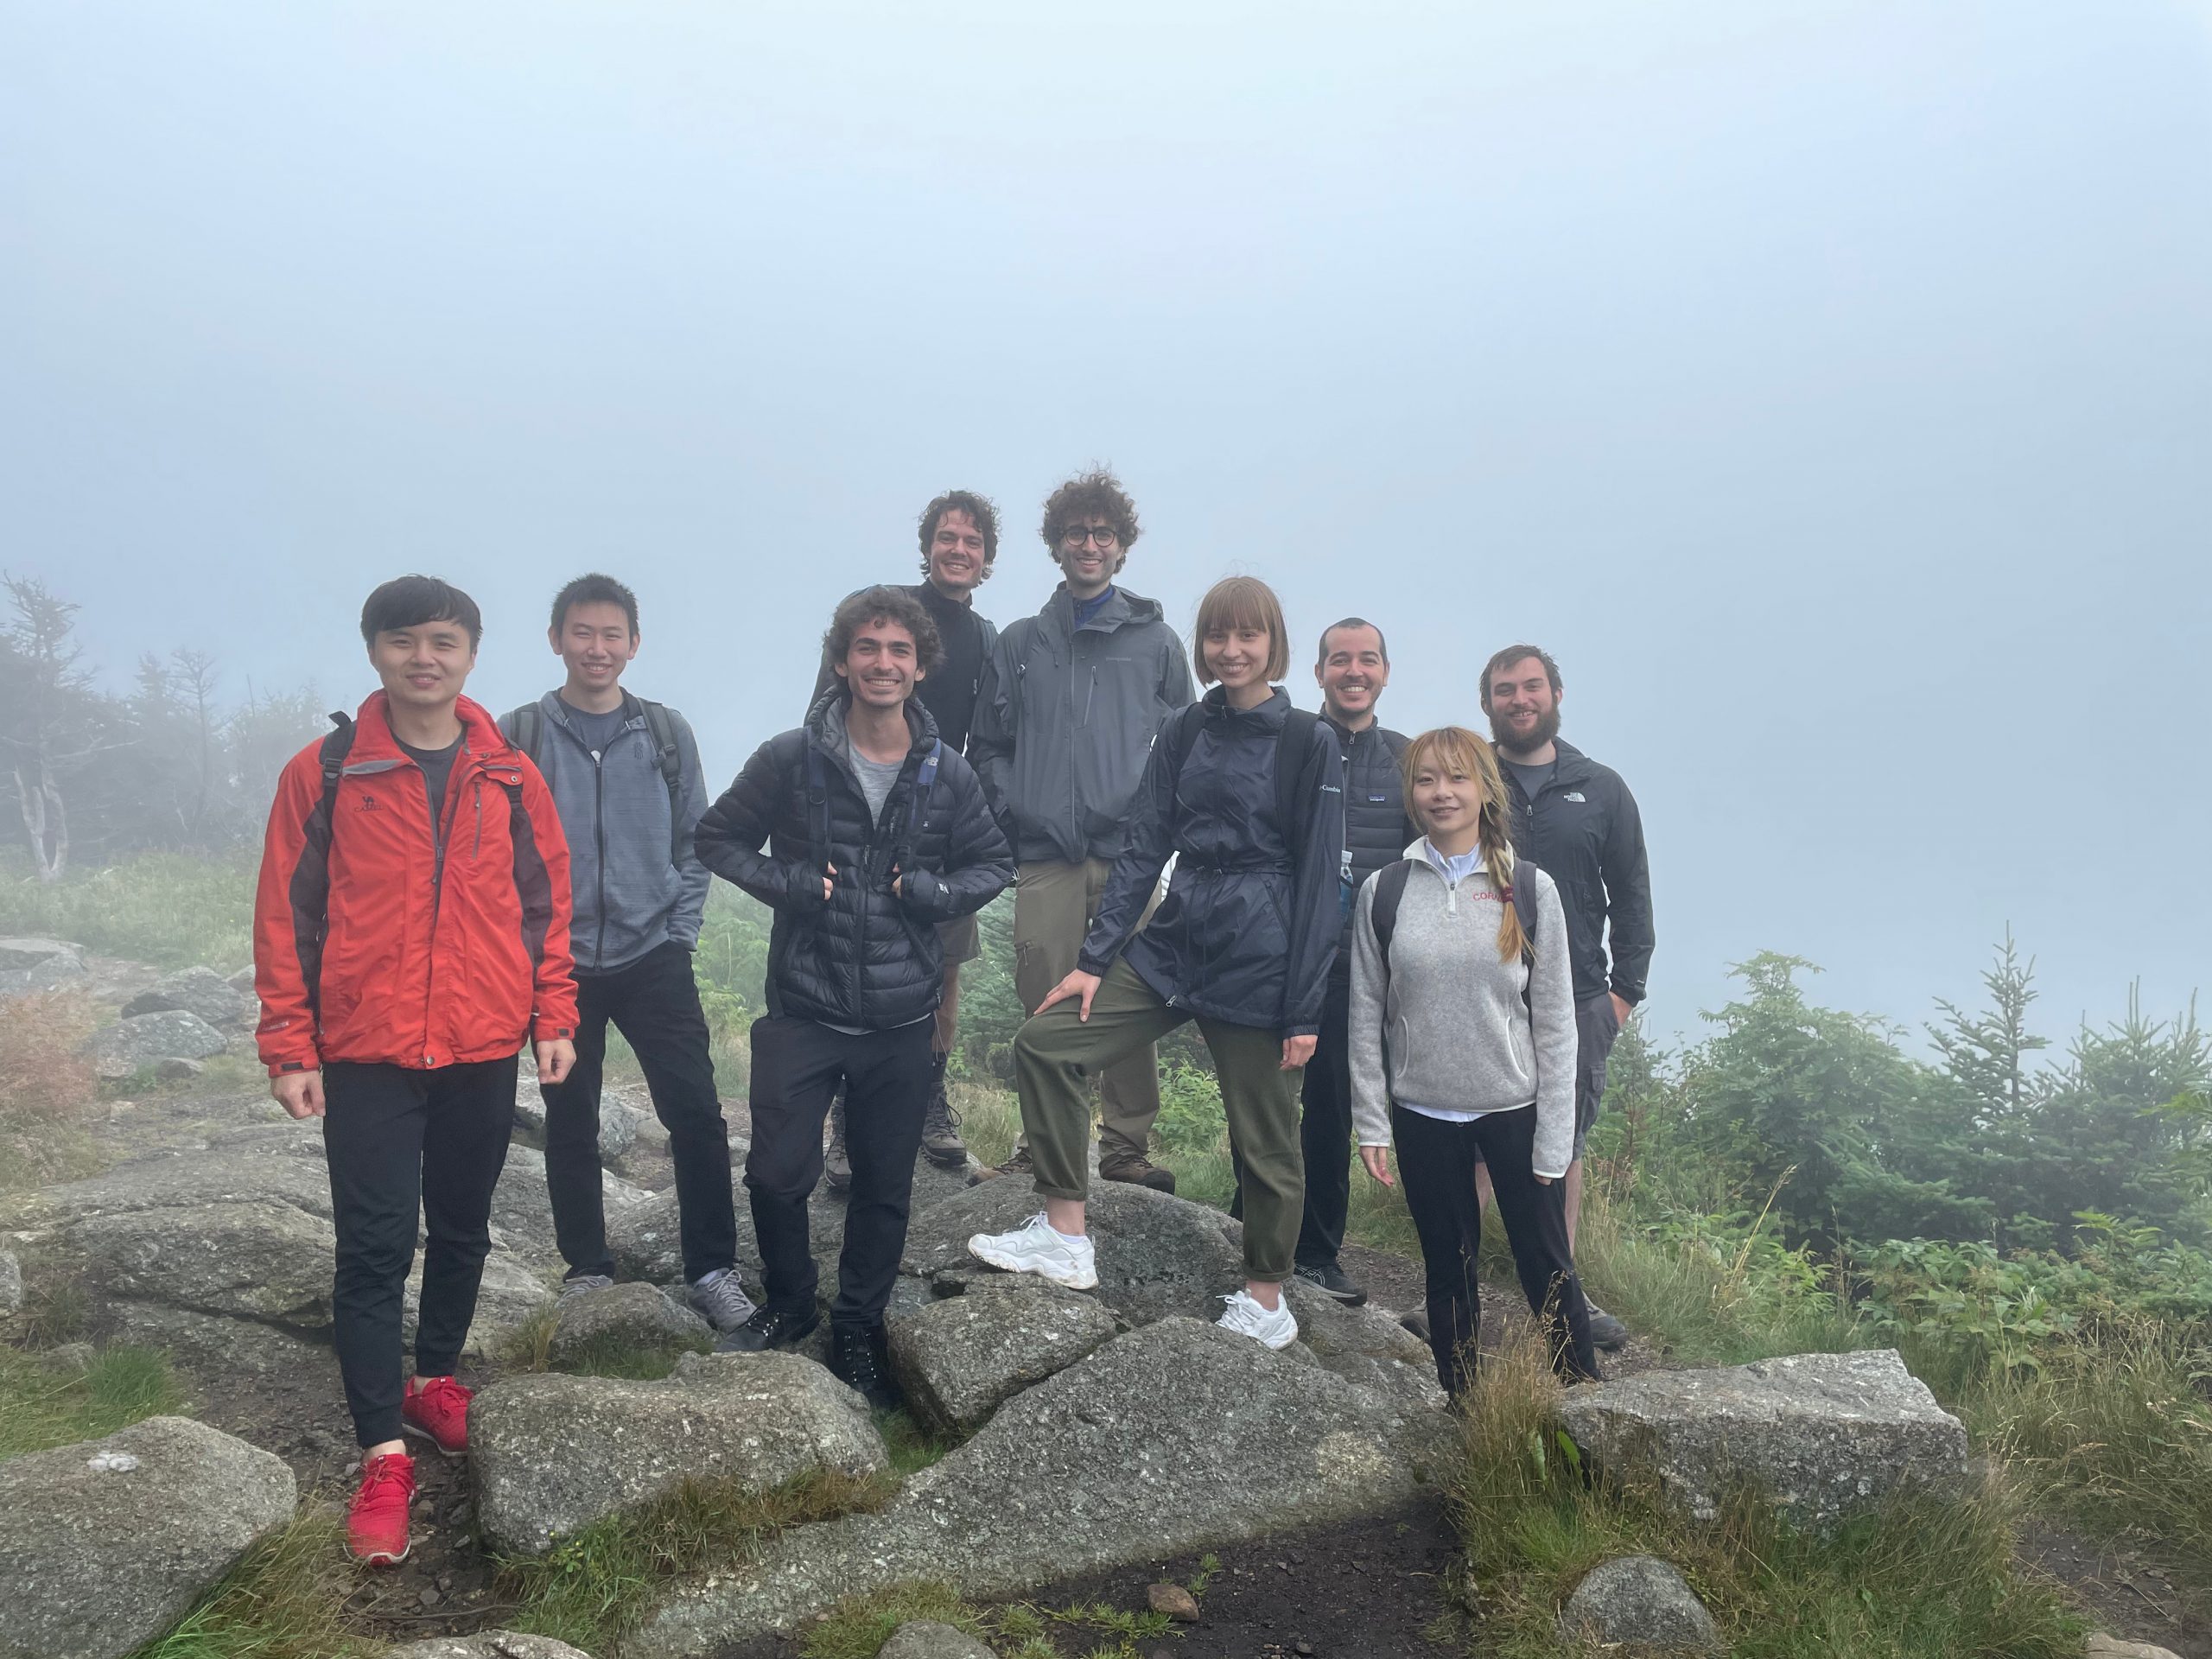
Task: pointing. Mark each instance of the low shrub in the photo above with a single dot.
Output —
(45, 1085)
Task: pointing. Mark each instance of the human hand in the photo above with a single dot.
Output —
(1622, 1010)
(1296, 1051)
(828, 880)
(1078, 983)
(554, 1059)
(299, 1093)
(1378, 1160)
(1542, 1181)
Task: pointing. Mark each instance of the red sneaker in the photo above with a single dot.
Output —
(438, 1411)
(376, 1525)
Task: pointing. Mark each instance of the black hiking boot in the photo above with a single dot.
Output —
(769, 1329)
(1331, 1281)
(860, 1359)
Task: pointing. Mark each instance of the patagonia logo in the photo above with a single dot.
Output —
(1378, 800)
(1573, 795)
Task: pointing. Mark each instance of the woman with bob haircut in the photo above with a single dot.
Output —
(1244, 790)
(1463, 1044)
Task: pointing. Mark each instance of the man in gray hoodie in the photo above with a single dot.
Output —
(1064, 722)
(625, 780)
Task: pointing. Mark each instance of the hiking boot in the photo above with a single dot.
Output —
(1271, 1327)
(1138, 1171)
(721, 1301)
(837, 1167)
(768, 1329)
(1331, 1281)
(1038, 1248)
(941, 1126)
(577, 1283)
(860, 1360)
(1017, 1163)
(1606, 1332)
(1416, 1322)
(438, 1411)
(375, 1521)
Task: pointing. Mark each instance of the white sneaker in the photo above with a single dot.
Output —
(1273, 1327)
(1037, 1248)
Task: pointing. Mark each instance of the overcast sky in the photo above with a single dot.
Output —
(1828, 386)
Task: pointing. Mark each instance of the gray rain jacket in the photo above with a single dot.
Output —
(630, 895)
(1065, 719)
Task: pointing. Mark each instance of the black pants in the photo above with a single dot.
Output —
(400, 1141)
(1436, 1161)
(797, 1067)
(655, 1003)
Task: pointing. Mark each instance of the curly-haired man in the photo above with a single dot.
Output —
(1063, 724)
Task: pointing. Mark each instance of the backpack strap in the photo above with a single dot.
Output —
(337, 744)
(660, 726)
(1293, 760)
(1390, 893)
(529, 727)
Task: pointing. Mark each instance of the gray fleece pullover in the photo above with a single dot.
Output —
(1449, 1014)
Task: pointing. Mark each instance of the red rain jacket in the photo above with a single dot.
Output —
(378, 939)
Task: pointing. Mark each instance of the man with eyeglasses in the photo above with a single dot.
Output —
(1064, 723)
(960, 543)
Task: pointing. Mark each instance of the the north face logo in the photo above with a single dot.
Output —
(1573, 795)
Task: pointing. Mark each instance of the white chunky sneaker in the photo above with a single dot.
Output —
(1037, 1248)
(1270, 1327)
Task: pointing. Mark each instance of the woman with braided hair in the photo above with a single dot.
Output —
(1463, 1044)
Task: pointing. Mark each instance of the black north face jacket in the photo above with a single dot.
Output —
(1584, 832)
(868, 958)
(1248, 929)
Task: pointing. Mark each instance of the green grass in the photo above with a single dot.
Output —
(912, 1448)
(1918, 1578)
(591, 1589)
(857, 1628)
(285, 1600)
(43, 1405)
(164, 908)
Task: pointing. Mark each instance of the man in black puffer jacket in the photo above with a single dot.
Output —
(877, 834)
(1351, 669)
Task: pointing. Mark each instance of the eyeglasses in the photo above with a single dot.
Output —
(1078, 535)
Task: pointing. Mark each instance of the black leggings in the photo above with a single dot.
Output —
(1436, 1161)
(402, 1142)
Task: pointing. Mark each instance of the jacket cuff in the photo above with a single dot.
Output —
(1090, 964)
(1631, 995)
(1301, 1031)
(288, 1068)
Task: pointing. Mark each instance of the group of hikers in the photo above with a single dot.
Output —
(1429, 943)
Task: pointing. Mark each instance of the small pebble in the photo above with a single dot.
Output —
(428, 1597)
(1305, 1648)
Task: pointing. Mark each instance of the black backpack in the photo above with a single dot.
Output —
(528, 723)
(1390, 892)
(1294, 759)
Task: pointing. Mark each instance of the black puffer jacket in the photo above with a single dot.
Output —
(1377, 830)
(1249, 927)
(867, 957)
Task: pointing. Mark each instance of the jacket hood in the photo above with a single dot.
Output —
(825, 723)
(1121, 606)
(482, 741)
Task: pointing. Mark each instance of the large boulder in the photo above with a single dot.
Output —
(554, 1453)
(105, 1545)
(619, 1117)
(1641, 1603)
(144, 1040)
(510, 1296)
(630, 1316)
(1174, 1437)
(522, 1207)
(487, 1644)
(201, 991)
(1158, 1254)
(960, 1358)
(1821, 1434)
(28, 965)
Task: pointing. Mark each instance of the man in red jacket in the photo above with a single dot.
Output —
(410, 932)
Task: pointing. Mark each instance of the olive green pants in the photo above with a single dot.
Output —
(1053, 905)
(1055, 1048)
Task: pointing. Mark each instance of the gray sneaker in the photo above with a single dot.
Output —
(1606, 1332)
(837, 1167)
(584, 1282)
(721, 1301)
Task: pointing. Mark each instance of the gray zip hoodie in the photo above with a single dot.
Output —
(1444, 1016)
(630, 897)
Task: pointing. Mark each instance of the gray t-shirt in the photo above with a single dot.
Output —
(1533, 779)
(596, 730)
(876, 778)
(438, 767)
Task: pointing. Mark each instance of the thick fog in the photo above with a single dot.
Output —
(1828, 386)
